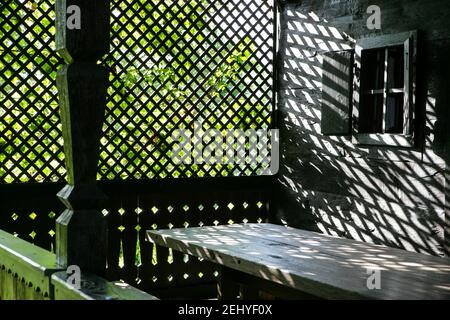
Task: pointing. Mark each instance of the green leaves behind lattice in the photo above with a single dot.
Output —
(203, 62)
(30, 131)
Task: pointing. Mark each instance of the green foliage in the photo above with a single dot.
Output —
(30, 130)
(181, 70)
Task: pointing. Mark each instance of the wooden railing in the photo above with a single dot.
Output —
(28, 272)
(24, 269)
(134, 207)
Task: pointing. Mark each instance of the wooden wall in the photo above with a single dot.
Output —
(385, 195)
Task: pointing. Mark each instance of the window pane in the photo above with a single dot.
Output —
(394, 113)
(371, 114)
(396, 67)
(372, 69)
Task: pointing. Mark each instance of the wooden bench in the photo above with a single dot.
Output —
(292, 263)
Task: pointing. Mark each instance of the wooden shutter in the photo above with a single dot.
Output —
(408, 90)
(337, 83)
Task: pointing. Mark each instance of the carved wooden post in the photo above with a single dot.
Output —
(82, 38)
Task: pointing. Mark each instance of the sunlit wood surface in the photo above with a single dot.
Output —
(317, 264)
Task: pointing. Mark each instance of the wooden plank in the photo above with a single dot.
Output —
(254, 288)
(315, 264)
(114, 238)
(409, 57)
(29, 262)
(116, 188)
(387, 40)
(384, 139)
(7, 281)
(95, 288)
(129, 240)
(246, 257)
(197, 291)
(186, 185)
(358, 249)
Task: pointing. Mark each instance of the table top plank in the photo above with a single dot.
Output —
(321, 265)
(351, 251)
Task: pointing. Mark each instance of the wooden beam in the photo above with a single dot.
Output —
(95, 288)
(81, 229)
(24, 269)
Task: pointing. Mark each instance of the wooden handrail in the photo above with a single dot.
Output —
(28, 272)
(26, 269)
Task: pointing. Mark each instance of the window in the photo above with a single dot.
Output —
(383, 98)
(369, 92)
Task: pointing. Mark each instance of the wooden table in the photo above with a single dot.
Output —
(290, 263)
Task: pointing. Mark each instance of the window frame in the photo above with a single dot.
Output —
(405, 139)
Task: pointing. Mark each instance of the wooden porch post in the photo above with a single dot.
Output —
(82, 38)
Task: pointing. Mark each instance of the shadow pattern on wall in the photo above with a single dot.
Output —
(390, 196)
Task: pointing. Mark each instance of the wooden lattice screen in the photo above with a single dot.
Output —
(172, 64)
(30, 130)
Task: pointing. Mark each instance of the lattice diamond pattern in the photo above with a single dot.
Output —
(176, 63)
(30, 130)
(172, 63)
